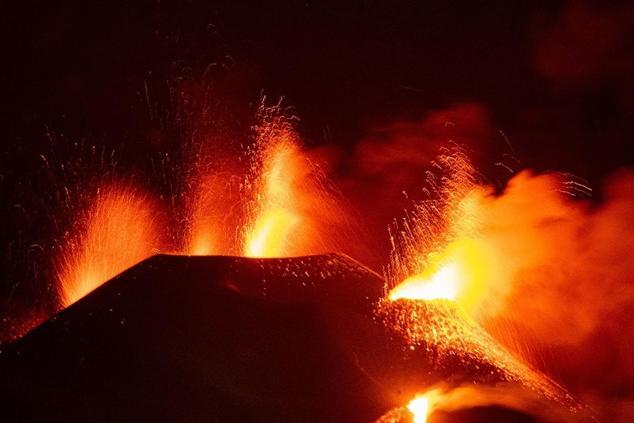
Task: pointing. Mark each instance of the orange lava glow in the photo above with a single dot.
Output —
(419, 407)
(441, 285)
(275, 217)
(422, 406)
(116, 231)
(279, 207)
(459, 272)
(441, 255)
(209, 217)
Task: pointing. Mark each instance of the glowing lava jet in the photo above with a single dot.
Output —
(459, 272)
(423, 405)
(442, 284)
(291, 210)
(118, 229)
(274, 215)
(439, 255)
(283, 208)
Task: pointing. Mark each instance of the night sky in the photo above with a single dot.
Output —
(555, 76)
(551, 82)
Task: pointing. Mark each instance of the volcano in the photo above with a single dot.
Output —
(193, 338)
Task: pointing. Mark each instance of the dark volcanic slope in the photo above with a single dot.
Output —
(200, 339)
(188, 339)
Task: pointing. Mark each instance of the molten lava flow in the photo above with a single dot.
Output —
(116, 231)
(275, 215)
(419, 407)
(423, 405)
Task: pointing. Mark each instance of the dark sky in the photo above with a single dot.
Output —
(554, 77)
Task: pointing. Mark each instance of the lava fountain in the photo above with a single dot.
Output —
(275, 217)
(282, 208)
(118, 229)
(437, 252)
(209, 217)
(291, 209)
